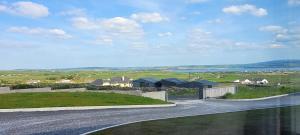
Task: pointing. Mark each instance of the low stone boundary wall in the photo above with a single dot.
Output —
(218, 91)
(70, 90)
(155, 94)
(161, 95)
(47, 89)
(4, 90)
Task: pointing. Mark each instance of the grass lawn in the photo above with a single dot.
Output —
(274, 121)
(65, 99)
(247, 92)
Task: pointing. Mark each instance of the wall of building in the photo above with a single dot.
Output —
(218, 91)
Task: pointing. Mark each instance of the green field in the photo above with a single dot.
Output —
(289, 81)
(273, 121)
(248, 92)
(68, 99)
(19, 77)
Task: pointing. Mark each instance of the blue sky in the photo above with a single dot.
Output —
(122, 33)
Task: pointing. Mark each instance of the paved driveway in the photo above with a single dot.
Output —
(78, 122)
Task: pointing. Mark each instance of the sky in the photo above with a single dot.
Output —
(40, 34)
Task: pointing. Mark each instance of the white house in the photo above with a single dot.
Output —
(33, 81)
(236, 81)
(247, 81)
(263, 81)
(65, 81)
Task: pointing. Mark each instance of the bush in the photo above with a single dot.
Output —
(66, 86)
(91, 87)
(24, 86)
(227, 95)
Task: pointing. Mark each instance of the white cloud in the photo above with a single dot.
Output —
(119, 26)
(73, 12)
(274, 29)
(247, 8)
(149, 17)
(104, 40)
(25, 8)
(288, 36)
(204, 41)
(84, 23)
(111, 30)
(275, 46)
(166, 34)
(216, 21)
(196, 1)
(57, 33)
(294, 2)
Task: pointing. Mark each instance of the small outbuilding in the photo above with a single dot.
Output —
(100, 82)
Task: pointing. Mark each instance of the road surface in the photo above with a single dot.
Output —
(78, 122)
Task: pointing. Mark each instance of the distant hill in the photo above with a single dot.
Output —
(284, 64)
(275, 64)
(268, 64)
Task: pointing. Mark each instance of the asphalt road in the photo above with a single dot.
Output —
(78, 122)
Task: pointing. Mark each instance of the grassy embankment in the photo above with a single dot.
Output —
(247, 92)
(68, 99)
(254, 122)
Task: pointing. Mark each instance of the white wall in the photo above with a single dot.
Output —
(161, 95)
(218, 91)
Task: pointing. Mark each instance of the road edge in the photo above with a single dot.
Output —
(85, 108)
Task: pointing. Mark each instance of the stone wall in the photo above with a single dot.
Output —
(161, 95)
(4, 90)
(47, 89)
(128, 92)
(218, 91)
(155, 95)
(70, 90)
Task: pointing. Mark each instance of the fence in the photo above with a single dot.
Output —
(218, 91)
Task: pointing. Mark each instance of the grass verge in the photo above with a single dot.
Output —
(69, 99)
(250, 92)
(254, 122)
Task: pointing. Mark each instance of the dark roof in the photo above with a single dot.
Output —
(97, 82)
(174, 80)
(257, 79)
(120, 80)
(206, 82)
(152, 80)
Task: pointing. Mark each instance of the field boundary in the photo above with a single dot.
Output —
(75, 108)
